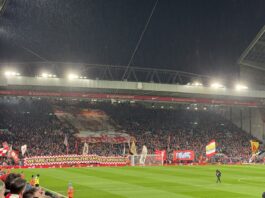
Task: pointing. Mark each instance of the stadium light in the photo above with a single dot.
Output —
(44, 75)
(72, 76)
(217, 85)
(241, 87)
(197, 84)
(47, 75)
(11, 73)
(82, 77)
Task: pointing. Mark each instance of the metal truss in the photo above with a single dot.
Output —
(109, 72)
(3, 4)
(254, 55)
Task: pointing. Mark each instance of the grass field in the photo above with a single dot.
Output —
(156, 182)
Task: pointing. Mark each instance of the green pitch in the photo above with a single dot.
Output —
(156, 182)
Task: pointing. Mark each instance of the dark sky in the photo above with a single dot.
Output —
(200, 36)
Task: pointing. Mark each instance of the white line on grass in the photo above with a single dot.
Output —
(54, 192)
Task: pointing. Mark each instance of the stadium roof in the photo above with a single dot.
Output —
(252, 61)
(254, 55)
(2, 6)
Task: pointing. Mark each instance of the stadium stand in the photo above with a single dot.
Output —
(33, 122)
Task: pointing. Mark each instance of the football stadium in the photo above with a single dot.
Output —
(83, 114)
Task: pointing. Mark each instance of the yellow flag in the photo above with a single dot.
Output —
(133, 149)
(254, 146)
(211, 148)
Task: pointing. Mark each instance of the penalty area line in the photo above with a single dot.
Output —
(54, 192)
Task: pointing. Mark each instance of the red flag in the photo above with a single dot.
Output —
(4, 150)
(14, 155)
(5, 145)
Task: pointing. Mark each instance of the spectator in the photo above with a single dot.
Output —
(33, 122)
(34, 193)
(9, 179)
(2, 189)
(17, 188)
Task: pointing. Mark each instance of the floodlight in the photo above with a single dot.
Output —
(241, 87)
(72, 76)
(44, 75)
(196, 83)
(11, 73)
(217, 85)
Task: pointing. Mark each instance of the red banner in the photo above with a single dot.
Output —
(186, 155)
(115, 140)
(161, 152)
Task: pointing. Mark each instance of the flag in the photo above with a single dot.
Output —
(23, 149)
(124, 149)
(14, 155)
(85, 149)
(76, 147)
(254, 146)
(168, 142)
(65, 142)
(5, 144)
(3, 151)
(144, 150)
(210, 148)
(133, 148)
(9, 151)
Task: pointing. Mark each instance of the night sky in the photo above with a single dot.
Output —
(199, 36)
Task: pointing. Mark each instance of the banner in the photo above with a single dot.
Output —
(254, 146)
(210, 148)
(75, 159)
(161, 152)
(104, 138)
(185, 155)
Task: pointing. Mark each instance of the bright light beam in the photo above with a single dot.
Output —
(241, 87)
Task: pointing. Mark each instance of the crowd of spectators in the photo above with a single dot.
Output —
(14, 185)
(33, 122)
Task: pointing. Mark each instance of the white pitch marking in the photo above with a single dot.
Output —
(54, 192)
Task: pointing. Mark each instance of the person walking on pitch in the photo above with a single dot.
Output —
(218, 175)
